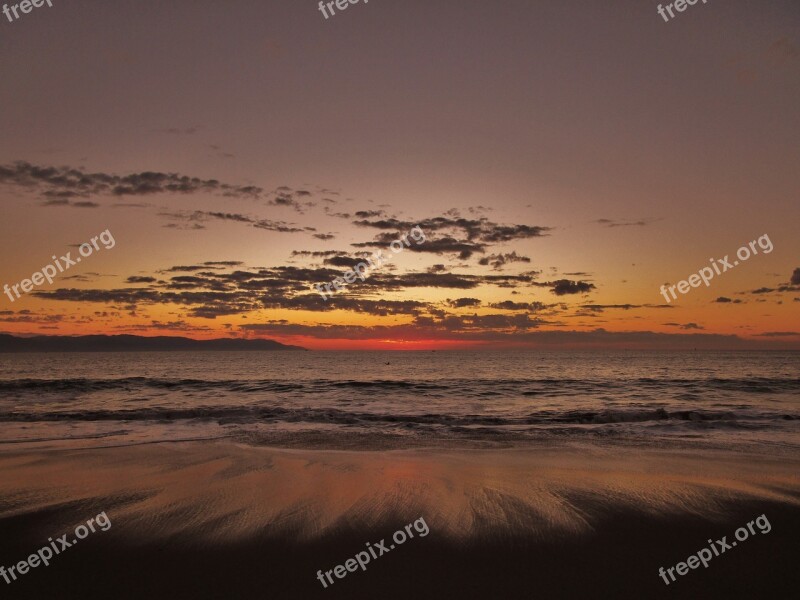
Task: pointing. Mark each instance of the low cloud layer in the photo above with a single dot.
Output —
(62, 184)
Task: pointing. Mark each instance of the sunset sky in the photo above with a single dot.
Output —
(563, 159)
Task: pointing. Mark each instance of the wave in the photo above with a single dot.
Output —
(334, 416)
(524, 387)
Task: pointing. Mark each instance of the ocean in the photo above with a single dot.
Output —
(374, 400)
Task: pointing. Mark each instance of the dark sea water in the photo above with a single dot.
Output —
(378, 399)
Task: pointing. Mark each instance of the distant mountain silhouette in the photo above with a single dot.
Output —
(130, 343)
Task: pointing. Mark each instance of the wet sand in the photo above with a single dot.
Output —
(220, 520)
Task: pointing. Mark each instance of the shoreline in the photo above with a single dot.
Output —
(216, 519)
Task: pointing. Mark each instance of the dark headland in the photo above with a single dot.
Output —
(131, 343)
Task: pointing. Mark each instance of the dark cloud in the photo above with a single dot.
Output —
(447, 245)
(451, 280)
(625, 222)
(27, 316)
(212, 311)
(464, 250)
(504, 322)
(223, 263)
(779, 334)
(68, 182)
(173, 326)
(511, 305)
(498, 261)
(318, 253)
(782, 288)
(191, 226)
(190, 282)
(475, 210)
(315, 302)
(338, 215)
(283, 200)
(602, 307)
(212, 292)
(564, 287)
(685, 325)
(204, 216)
(462, 302)
(186, 268)
(131, 205)
(475, 230)
(126, 296)
(453, 235)
(793, 285)
(65, 202)
(342, 261)
(285, 196)
(76, 278)
(725, 300)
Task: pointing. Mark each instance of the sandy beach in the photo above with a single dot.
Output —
(214, 520)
